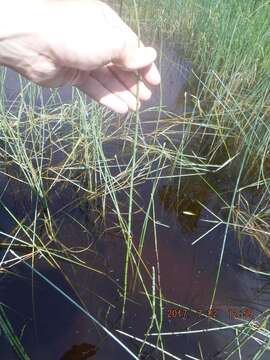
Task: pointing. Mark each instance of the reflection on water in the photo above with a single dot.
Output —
(186, 205)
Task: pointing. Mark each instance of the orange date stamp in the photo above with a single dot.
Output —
(232, 312)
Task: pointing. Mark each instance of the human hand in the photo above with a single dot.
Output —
(84, 43)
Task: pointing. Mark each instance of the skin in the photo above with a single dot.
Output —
(83, 43)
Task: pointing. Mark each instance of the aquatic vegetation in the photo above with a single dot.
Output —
(141, 216)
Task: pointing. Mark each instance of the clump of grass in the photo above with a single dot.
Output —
(228, 44)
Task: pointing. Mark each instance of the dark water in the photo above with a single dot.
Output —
(52, 328)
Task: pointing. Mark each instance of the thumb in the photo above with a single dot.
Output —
(135, 58)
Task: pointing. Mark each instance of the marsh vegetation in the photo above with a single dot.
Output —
(145, 236)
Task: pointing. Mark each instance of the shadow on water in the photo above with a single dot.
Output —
(80, 352)
(50, 327)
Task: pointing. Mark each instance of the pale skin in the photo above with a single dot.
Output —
(79, 42)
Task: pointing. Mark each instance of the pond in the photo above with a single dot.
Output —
(180, 256)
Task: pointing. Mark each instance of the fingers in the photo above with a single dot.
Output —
(115, 86)
(112, 87)
(151, 74)
(142, 59)
(130, 81)
(134, 58)
(132, 55)
(98, 92)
